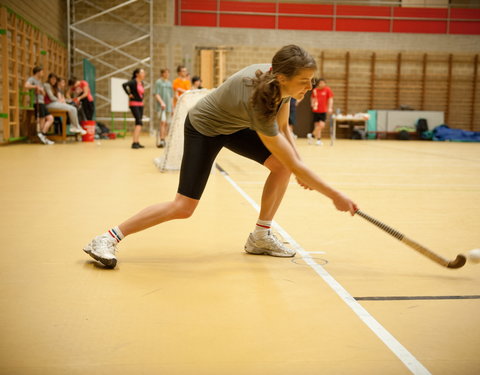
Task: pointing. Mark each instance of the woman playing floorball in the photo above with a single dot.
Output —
(247, 114)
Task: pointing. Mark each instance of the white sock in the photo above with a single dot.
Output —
(116, 233)
(262, 228)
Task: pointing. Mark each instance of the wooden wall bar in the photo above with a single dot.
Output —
(23, 46)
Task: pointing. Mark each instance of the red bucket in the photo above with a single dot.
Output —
(89, 127)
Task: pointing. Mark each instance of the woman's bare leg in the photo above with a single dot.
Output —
(136, 133)
(274, 188)
(181, 207)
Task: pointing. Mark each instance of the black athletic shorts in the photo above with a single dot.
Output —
(137, 112)
(319, 117)
(41, 110)
(200, 151)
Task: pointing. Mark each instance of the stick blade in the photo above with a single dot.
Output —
(459, 261)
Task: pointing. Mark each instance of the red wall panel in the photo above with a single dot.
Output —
(379, 26)
(465, 13)
(199, 19)
(255, 22)
(471, 28)
(305, 23)
(236, 6)
(313, 9)
(365, 18)
(357, 10)
(198, 5)
(420, 12)
(420, 27)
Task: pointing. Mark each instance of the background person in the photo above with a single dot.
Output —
(80, 91)
(163, 104)
(181, 84)
(55, 100)
(45, 119)
(196, 83)
(322, 105)
(135, 90)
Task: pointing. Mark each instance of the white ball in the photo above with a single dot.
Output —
(474, 255)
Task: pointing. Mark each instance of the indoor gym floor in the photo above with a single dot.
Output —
(186, 299)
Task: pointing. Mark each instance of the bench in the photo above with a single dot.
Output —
(31, 125)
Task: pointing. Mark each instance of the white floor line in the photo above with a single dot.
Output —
(387, 338)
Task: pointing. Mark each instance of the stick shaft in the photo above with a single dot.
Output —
(409, 242)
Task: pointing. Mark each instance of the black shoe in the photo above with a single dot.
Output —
(161, 144)
(137, 145)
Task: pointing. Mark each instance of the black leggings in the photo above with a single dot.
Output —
(137, 112)
(200, 151)
(88, 108)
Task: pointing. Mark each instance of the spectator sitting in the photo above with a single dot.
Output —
(81, 94)
(196, 83)
(55, 100)
(44, 118)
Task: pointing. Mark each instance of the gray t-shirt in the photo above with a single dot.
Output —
(163, 87)
(227, 109)
(36, 82)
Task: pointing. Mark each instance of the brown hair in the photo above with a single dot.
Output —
(55, 86)
(266, 97)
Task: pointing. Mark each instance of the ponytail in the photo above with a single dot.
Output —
(266, 97)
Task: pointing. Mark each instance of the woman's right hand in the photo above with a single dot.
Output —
(343, 203)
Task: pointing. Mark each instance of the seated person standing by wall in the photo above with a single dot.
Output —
(135, 90)
(81, 93)
(45, 119)
(55, 100)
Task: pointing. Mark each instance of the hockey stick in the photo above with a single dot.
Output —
(458, 262)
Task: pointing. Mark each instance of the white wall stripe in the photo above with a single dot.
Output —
(387, 338)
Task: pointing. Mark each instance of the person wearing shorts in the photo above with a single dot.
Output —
(247, 114)
(45, 119)
(163, 104)
(322, 104)
(135, 90)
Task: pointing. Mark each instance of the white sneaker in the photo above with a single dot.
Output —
(102, 248)
(44, 139)
(77, 130)
(268, 245)
(319, 142)
(309, 138)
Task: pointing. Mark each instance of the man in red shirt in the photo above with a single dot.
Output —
(322, 104)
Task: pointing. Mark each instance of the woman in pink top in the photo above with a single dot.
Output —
(135, 90)
(82, 94)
